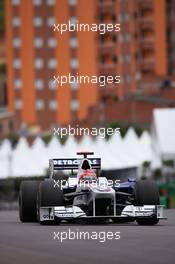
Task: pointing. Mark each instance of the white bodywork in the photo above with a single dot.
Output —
(73, 212)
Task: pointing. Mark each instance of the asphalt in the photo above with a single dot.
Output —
(31, 243)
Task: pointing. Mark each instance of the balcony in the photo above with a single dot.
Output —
(107, 68)
(109, 91)
(147, 64)
(3, 111)
(2, 51)
(147, 43)
(171, 18)
(106, 6)
(149, 84)
(145, 4)
(146, 22)
(107, 47)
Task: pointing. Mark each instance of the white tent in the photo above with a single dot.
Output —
(115, 146)
(54, 148)
(69, 148)
(101, 150)
(39, 155)
(22, 161)
(131, 149)
(116, 153)
(163, 134)
(145, 146)
(86, 144)
(5, 159)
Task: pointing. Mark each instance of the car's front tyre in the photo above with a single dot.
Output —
(49, 196)
(27, 201)
(147, 193)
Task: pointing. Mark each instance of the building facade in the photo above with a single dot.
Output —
(141, 53)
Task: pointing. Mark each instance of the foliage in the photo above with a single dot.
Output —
(146, 164)
(168, 163)
(2, 16)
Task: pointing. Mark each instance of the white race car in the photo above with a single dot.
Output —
(88, 197)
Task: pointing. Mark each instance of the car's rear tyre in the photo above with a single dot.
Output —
(27, 201)
(147, 193)
(49, 195)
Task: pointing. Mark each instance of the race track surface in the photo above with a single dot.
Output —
(32, 243)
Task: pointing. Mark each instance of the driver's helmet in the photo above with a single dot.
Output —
(88, 176)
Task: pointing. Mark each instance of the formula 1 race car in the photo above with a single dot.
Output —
(85, 196)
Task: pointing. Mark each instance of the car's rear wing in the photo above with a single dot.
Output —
(71, 164)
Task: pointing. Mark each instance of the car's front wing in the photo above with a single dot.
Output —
(74, 212)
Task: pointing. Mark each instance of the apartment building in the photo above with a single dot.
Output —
(141, 54)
